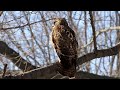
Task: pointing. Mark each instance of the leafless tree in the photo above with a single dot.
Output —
(25, 44)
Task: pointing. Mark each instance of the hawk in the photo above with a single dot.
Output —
(65, 44)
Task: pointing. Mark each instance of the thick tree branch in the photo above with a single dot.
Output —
(15, 57)
(39, 73)
(50, 71)
(86, 75)
(98, 54)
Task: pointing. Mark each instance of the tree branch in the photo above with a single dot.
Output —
(15, 27)
(93, 29)
(39, 73)
(50, 71)
(86, 75)
(15, 57)
(102, 31)
(98, 54)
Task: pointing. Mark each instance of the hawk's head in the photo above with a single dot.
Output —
(60, 21)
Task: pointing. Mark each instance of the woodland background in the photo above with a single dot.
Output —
(26, 51)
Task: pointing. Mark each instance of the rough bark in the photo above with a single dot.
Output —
(86, 75)
(49, 72)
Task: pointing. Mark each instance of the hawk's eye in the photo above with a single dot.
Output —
(54, 22)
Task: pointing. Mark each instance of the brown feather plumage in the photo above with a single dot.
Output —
(65, 44)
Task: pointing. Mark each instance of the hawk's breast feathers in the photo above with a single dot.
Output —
(65, 44)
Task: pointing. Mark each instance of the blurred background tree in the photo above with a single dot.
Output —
(28, 33)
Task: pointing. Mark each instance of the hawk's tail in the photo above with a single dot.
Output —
(68, 72)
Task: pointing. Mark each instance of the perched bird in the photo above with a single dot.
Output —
(65, 44)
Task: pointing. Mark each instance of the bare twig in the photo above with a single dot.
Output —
(102, 31)
(4, 71)
(15, 27)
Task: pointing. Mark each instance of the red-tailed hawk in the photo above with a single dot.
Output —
(65, 44)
